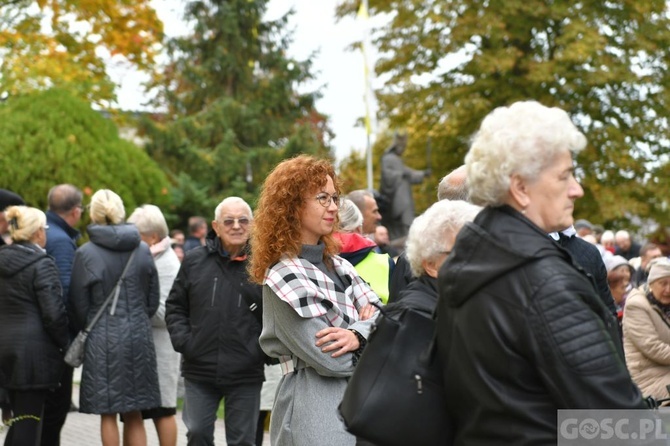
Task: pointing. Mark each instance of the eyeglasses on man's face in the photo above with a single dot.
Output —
(325, 199)
(230, 222)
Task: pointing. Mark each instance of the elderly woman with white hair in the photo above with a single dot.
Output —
(119, 370)
(646, 331)
(430, 240)
(521, 330)
(153, 228)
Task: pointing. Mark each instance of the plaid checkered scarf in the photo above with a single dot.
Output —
(312, 293)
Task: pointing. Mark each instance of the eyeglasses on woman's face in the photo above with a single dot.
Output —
(325, 199)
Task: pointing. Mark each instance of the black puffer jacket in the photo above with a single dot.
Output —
(119, 373)
(522, 333)
(33, 322)
(209, 319)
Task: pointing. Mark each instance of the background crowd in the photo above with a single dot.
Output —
(280, 301)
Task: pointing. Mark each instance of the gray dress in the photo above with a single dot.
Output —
(305, 408)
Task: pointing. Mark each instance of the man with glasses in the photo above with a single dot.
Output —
(64, 213)
(213, 315)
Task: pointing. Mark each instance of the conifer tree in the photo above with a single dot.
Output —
(234, 108)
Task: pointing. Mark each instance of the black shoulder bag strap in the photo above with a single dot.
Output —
(113, 296)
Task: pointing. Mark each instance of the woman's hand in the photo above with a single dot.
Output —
(337, 340)
(367, 312)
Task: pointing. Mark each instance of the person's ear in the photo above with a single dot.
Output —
(430, 267)
(518, 191)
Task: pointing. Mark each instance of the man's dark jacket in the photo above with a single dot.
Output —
(587, 256)
(61, 245)
(400, 278)
(209, 319)
(521, 334)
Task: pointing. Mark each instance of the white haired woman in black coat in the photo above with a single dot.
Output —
(521, 330)
(119, 371)
(33, 320)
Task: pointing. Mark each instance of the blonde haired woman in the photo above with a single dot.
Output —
(119, 374)
(33, 320)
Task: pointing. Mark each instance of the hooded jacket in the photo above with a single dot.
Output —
(521, 334)
(375, 268)
(209, 319)
(119, 371)
(33, 321)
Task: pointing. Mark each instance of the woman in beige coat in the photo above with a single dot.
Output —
(646, 332)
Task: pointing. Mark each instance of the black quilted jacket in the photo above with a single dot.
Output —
(33, 322)
(119, 372)
(521, 334)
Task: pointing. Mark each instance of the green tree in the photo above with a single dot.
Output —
(51, 137)
(46, 43)
(233, 105)
(449, 63)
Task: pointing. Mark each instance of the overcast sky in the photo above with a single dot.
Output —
(339, 72)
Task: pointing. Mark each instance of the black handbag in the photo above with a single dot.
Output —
(74, 355)
(395, 395)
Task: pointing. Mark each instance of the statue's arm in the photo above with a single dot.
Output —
(414, 176)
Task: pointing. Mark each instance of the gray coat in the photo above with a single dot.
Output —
(119, 373)
(305, 409)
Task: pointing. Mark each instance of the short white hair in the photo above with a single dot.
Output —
(621, 235)
(427, 233)
(231, 200)
(149, 220)
(522, 139)
(607, 236)
(350, 216)
(106, 208)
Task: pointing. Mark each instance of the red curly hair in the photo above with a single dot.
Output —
(277, 221)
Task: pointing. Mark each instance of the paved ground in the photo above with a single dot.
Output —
(84, 430)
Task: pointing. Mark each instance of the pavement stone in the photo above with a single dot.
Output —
(84, 429)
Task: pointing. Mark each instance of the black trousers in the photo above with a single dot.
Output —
(27, 408)
(56, 408)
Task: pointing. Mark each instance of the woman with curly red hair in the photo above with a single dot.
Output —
(316, 308)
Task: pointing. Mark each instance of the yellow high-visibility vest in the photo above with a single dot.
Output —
(375, 270)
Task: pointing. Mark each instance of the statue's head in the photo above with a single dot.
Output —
(399, 143)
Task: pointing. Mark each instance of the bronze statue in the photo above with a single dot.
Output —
(396, 188)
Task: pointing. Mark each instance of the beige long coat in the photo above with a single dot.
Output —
(646, 341)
